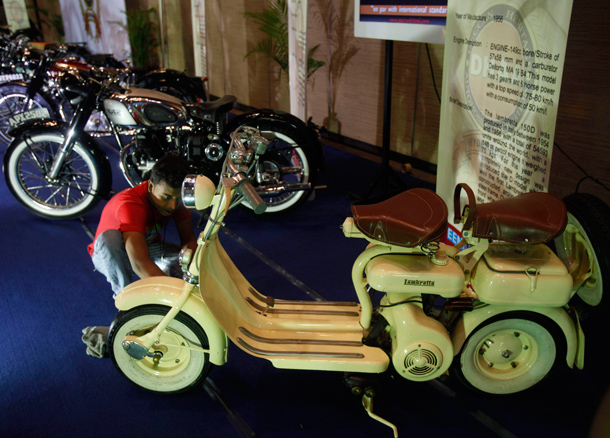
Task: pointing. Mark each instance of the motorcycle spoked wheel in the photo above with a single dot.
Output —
(587, 237)
(286, 161)
(509, 353)
(13, 100)
(177, 367)
(26, 164)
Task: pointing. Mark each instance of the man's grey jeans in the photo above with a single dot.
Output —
(110, 258)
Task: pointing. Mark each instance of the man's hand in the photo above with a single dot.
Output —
(139, 255)
(187, 236)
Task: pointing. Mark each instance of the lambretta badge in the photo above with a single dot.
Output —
(419, 283)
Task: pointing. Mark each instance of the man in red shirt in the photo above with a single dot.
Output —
(130, 237)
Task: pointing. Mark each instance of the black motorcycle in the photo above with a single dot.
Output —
(37, 95)
(59, 171)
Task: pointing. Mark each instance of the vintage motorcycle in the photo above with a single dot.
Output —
(493, 311)
(11, 58)
(58, 170)
(39, 95)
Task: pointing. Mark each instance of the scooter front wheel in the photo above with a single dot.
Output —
(509, 354)
(177, 363)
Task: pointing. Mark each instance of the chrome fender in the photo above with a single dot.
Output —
(570, 327)
(164, 291)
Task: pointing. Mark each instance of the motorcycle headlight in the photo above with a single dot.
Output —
(197, 192)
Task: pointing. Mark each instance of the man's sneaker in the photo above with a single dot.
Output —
(95, 340)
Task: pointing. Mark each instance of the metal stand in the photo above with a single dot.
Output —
(385, 174)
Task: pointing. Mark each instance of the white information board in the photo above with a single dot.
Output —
(503, 67)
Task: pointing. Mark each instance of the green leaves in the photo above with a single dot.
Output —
(142, 32)
(274, 22)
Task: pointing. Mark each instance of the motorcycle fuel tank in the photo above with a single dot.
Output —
(118, 113)
(139, 107)
(414, 274)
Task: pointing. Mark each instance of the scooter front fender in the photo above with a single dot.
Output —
(568, 325)
(164, 291)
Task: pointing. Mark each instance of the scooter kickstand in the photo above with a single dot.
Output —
(367, 402)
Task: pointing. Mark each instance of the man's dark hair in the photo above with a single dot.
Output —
(172, 169)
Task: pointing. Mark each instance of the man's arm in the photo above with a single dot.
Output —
(139, 255)
(187, 236)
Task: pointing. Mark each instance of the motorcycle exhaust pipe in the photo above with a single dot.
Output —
(277, 189)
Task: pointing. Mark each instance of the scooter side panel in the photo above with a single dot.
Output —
(165, 291)
(228, 295)
(308, 335)
(414, 273)
(421, 347)
(571, 330)
(510, 275)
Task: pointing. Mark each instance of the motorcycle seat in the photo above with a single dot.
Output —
(408, 219)
(530, 218)
(212, 111)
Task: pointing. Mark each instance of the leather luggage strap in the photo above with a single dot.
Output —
(472, 205)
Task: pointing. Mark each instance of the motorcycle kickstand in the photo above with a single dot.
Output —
(367, 402)
(365, 385)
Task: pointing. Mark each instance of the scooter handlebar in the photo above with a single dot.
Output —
(247, 190)
(244, 145)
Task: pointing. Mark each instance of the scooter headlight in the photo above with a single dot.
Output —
(197, 192)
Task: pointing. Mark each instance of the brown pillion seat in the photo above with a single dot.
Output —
(529, 218)
(408, 219)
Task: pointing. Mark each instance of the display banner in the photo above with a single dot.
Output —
(297, 57)
(401, 20)
(16, 14)
(199, 47)
(99, 23)
(503, 66)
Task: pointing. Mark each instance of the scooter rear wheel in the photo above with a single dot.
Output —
(177, 366)
(509, 353)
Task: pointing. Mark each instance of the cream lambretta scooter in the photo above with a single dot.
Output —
(497, 310)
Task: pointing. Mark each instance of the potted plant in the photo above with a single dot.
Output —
(273, 21)
(141, 29)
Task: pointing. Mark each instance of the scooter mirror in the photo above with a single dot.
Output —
(197, 192)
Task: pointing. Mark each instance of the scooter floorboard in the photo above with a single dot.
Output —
(314, 350)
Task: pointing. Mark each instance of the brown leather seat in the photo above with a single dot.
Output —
(408, 219)
(529, 218)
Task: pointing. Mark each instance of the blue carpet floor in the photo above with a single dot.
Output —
(50, 387)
